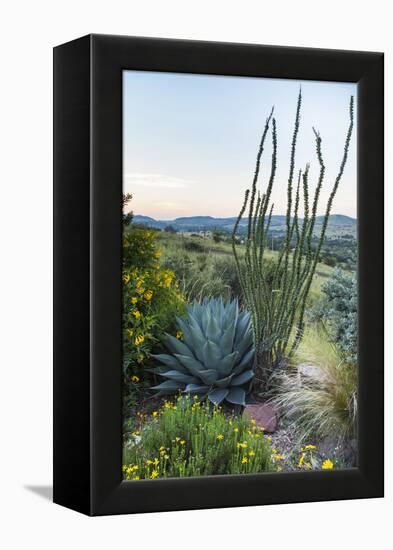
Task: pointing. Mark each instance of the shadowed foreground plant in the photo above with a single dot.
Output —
(214, 357)
(277, 310)
(186, 438)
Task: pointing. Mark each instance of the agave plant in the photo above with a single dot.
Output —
(215, 356)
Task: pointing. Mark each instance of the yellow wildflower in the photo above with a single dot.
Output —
(242, 445)
(327, 465)
(157, 254)
(220, 437)
(182, 442)
(253, 421)
(244, 460)
(179, 334)
(236, 430)
(148, 295)
(310, 447)
(135, 378)
(154, 474)
(149, 462)
(301, 460)
(126, 278)
(139, 340)
(136, 477)
(251, 453)
(130, 332)
(154, 414)
(136, 313)
(134, 300)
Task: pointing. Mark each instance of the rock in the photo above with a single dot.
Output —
(265, 416)
(337, 448)
(310, 371)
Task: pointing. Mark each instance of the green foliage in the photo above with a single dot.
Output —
(215, 357)
(338, 308)
(140, 247)
(277, 308)
(127, 217)
(151, 300)
(188, 439)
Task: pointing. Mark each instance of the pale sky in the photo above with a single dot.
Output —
(190, 141)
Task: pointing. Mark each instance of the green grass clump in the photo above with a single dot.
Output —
(190, 438)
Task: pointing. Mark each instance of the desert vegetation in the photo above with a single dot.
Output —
(240, 341)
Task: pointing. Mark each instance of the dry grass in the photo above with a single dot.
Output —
(323, 405)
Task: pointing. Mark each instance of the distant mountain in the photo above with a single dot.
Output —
(205, 223)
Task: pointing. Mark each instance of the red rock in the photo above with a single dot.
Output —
(264, 415)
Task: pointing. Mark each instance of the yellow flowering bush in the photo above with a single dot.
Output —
(151, 300)
(188, 437)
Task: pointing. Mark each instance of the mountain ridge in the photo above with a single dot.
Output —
(201, 223)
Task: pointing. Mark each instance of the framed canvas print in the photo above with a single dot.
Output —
(218, 275)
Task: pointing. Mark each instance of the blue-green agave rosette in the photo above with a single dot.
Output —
(215, 357)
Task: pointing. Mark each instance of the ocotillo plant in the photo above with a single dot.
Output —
(278, 309)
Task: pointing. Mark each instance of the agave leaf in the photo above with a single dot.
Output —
(169, 385)
(196, 388)
(242, 378)
(236, 396)
(246, 343)
(184, 327)
(211, 353)
(179, 377)
(213, 331)
(226, 364)
(226, 342)
(245, 362)
(198, 341)
(208, 376)
(177, 346)
(223, 382)
(192, 365)
(170, 361)
(216, 396)
(243, 324)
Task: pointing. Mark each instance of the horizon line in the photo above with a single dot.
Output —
(228, 217)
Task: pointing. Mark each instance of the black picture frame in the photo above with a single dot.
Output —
(87, 273)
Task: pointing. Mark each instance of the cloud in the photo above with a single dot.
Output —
(156, 180)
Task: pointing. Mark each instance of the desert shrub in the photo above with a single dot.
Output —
(193, 246)
(214, 356)
(140, 247)
(151, 300)
(338, 310)
(186, 438)
(323, 403)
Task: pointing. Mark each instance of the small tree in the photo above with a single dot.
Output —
(217, 235)
(278, 309)
(170, 229)
(127, 217)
